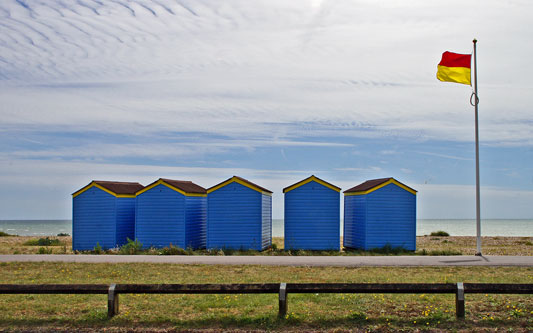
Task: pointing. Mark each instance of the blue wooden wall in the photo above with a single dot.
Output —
(386, 216)
(165, 216)
(125, 220)
(160, 217)
(266, 226)
(238, 217)
(100, 217)
(354, 221)
(196, 222)
(312, 218)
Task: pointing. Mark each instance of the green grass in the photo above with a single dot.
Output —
(307, 312)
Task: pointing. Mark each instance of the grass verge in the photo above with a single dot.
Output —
(426, 245)
(307, 312)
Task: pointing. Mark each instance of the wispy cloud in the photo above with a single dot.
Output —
(444, 156)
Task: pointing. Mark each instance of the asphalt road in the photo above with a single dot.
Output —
(345, 261)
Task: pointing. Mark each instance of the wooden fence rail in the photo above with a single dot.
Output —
(283, 290)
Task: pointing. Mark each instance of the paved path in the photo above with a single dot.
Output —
(346, 261)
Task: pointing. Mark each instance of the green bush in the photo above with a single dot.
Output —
(172, 251)
(4, 234)
(62, 234)
(43, 242)
(45, 250)
(132, 247)
(439, 233)
(97, 249)
(389, 249)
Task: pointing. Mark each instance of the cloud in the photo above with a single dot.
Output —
(233, 68)
(151, 84)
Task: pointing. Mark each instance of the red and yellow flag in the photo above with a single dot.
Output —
(454, 67)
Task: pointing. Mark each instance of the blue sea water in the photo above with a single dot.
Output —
(495, 227)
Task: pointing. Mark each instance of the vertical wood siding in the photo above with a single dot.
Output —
(160, 218)
(383, 217)
(234, 218)
(266, 214)
(391, 218)
(354, 221)
(93, 220)
(196, 222)
(312, 218)
(125, 220)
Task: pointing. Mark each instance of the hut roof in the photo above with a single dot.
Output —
(310, 179)
(184, 187)
(112, 187)
(374, 184)
(241, 181)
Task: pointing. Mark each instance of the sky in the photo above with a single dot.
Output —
(270, 90)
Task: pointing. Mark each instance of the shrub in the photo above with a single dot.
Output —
(439, 233)
(132, 247)
(172, 251)
(97, 249)
(389, 249)
(45, 250)
(4, 234)
(62, 234)
(43, 242)
(425, 252)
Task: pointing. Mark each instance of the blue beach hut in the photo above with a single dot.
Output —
(380, 212)
(312, 215)
(171, 212)
(239, 215)
(103, 213)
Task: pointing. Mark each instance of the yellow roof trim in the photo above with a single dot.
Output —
(162, 182)
(238, 181)
(391, 181)
(93, 184)
(311, 179)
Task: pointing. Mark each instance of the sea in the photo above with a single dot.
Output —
(489, 227)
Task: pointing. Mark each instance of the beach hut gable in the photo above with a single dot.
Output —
(378, 213)
(184, 187)
(239, 215)
(103, 213)
(117, 189)
(171, 212)
(375, 184)
(312, 216)
(311, 179)
(243, 182)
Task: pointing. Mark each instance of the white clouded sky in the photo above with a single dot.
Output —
(269, 90)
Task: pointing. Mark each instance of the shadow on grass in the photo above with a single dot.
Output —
(267, 322)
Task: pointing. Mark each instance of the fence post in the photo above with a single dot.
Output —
(282, 300)
(460, 301)
(112, 301)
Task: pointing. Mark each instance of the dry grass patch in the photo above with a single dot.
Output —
(19, 245)
(504, 246)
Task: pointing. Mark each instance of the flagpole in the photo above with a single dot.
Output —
(478, 209)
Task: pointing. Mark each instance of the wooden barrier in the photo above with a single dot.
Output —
(283, 290)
